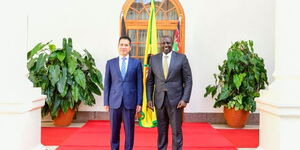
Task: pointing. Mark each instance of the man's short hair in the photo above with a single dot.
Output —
(125, 37)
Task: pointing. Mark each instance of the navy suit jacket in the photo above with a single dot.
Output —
(129, 90)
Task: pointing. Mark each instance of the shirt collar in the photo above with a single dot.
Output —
(169, 54)
(120, 57)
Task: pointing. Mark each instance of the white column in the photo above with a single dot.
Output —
(279, 105)
(20, 103)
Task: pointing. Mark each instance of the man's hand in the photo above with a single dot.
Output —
(138, 108)
(181, 104)
(106, 108)
(150, 104)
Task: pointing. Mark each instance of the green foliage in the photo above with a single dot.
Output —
(65, 76)
(241, 77)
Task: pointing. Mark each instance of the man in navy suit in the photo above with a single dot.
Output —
(123, 89)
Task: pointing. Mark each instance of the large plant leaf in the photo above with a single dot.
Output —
(82, 94)
(78, 57)
(49, 101)
(55, 108)
(70, 43)
(65, 43)
(75, 92)
(49, 91)
(224, 93)
(89, 60)
(80, 78)
(231, 104)
(72, 64)
(45, 110)
(61, 84)
(93, 88)
(90, 99)
(68, 47)
(53, 56)
(36, 49)
(52, 47)
(40, 61)
(210, 90)
(239, 98)
(97, 78)
(31, 63)
(54, 72)
(251, 45)
(238, 79)
(65, 92)
(65, 105)
(61, 55)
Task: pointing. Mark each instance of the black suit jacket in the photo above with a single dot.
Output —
(178, 84)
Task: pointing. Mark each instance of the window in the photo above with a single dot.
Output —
(136, 14)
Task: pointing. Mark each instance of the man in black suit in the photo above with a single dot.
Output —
(170, 74)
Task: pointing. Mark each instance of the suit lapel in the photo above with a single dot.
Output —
(129, 67)
(160, 67)
(117, 66)
(172, 64)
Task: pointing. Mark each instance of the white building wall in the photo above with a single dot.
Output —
(211, 27)
(20, 103)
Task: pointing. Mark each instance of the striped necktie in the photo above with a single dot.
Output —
(123, 67)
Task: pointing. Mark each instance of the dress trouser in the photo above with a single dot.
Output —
(116, 117)
(166, 115)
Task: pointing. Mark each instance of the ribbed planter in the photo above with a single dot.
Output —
(64, 119)
(235, 119)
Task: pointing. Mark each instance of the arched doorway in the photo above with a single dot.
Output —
(136, 15)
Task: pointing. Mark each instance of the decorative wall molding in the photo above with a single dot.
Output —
(21, 107)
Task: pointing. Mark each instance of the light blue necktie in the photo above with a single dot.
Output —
(123, 67)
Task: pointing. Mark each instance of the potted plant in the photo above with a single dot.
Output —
(241, 77)
(66, 77)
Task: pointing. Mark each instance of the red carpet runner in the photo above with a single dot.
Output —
(55, 136)
(94, 135)
(241, 138)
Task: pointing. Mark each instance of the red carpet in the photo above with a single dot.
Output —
(55, 136)
(242, 138)
(94, 135)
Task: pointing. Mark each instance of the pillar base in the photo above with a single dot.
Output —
(20, 126)
(279, 109)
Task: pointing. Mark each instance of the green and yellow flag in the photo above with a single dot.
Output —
(148, 116)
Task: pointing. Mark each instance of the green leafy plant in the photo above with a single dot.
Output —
(65, 76)
(241, 77)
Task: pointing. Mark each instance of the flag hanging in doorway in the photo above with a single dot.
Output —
(176, 43)
(123, 27)
(148, 116)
